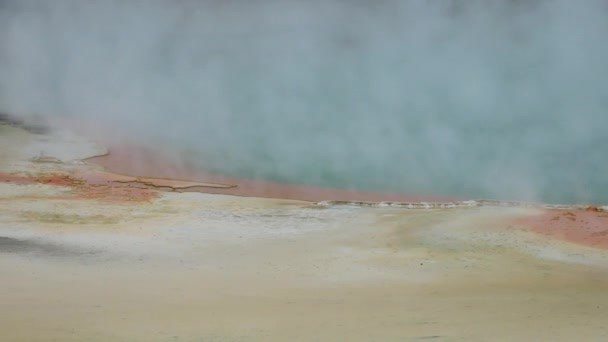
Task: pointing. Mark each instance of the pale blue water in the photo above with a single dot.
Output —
(492, 101)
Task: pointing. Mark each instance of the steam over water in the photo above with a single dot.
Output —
(501, 99)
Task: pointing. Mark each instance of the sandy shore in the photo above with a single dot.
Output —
(87, 254)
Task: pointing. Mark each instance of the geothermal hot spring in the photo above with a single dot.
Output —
(246, 141)
(483, 99)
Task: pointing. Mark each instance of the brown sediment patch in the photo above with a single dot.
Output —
(81, 188)
(112, 193)
(586, 227)
(129, 159)
(53, 179)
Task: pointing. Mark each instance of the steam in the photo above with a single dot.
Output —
(502, 99)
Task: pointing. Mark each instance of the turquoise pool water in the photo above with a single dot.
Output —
(494, 99)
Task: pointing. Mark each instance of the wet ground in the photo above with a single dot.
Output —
(87, 254)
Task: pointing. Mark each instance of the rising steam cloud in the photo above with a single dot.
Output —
(503, 99)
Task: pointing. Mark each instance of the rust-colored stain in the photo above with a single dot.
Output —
(83, 188)
(120, 193)
(586, 227)
(54, 179)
